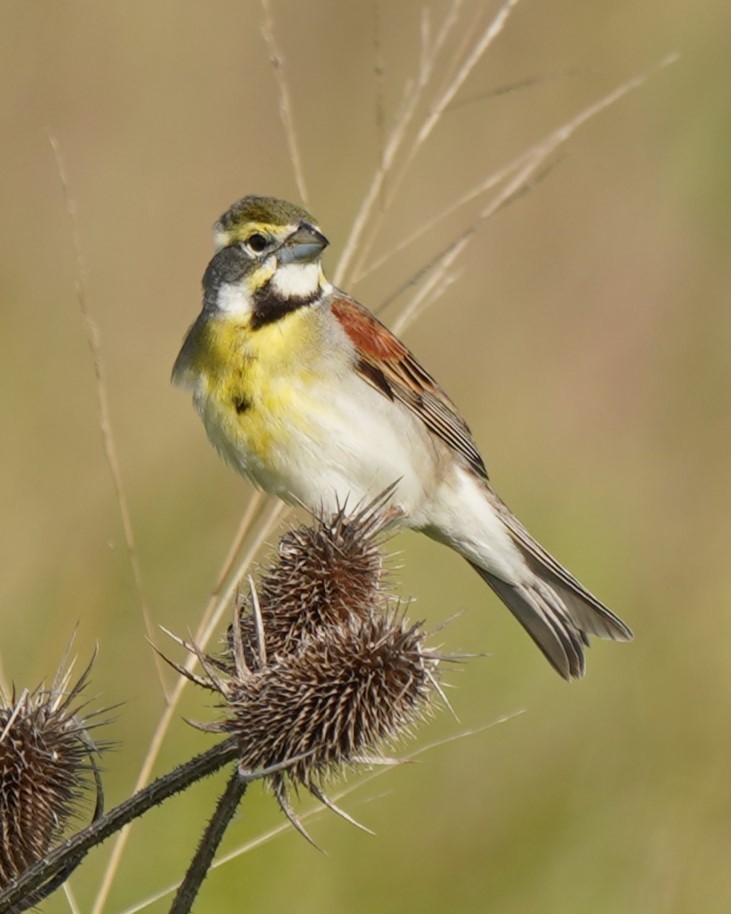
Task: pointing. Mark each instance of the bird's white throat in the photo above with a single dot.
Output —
(296, 280)
(289, 281)
(234, 298)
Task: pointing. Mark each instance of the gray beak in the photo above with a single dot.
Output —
(303, 246)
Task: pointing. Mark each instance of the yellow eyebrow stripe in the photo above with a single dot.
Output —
(241, 231)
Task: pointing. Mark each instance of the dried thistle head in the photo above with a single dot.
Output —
(326, 572)
(47, 767)
(321, 669)
(337, 700)
(347, 692)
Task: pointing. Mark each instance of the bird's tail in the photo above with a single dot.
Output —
(556, 610)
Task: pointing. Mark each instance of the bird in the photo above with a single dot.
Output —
(304, 391)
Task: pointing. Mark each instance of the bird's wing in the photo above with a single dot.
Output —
(387, 365)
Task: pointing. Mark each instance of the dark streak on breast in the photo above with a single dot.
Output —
(270, 307)
(241, 404)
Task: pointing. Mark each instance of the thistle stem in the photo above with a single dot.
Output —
(38, 880)
(209, 843)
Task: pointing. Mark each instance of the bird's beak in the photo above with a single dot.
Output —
(303, 246)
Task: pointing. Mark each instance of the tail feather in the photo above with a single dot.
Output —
(554, 608)
(546, 620)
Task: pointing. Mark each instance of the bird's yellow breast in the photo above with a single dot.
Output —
(253, 389)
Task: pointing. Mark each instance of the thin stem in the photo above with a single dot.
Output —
(285, 106)
(71, 898)
(201, 863)
(105, 422)
(347, 791)
(207, 626)
(67, 856)
(483, 187)
(379, 71)
(247, 520)
(277, 830)
(434, 115)
(393, 145)
(531, 162)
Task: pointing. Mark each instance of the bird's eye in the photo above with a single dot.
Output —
(257, 242)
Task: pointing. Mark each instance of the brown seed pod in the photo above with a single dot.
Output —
(350, 690)
(47, 766)
(325, 573)
(321, 670)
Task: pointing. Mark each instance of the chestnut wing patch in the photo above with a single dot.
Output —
(388, 366)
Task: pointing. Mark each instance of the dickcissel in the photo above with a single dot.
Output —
(305, 392)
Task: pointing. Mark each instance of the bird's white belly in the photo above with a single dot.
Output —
(347, 443)
(344, 443)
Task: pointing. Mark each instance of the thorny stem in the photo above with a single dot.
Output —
(209, 843)
(24, 892)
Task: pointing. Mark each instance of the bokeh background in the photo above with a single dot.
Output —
(586, 339)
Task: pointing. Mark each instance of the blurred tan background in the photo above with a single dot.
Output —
(586, 341)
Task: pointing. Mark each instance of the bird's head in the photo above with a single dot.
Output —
(267, 261)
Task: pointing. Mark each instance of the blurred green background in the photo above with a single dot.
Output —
(586, 340)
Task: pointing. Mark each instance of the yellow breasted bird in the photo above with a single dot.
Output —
(305, 392)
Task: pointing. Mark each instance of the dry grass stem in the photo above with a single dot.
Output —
(285, 106)
(452, 87)
(433, 115)
(205, 631)
(71, 898)
(248, 519)
(105, 423)
(531, 161)
(393, 144)
(379, 71)
(363, 780)
(483, 187)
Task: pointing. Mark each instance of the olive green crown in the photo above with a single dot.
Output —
(261, 210)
